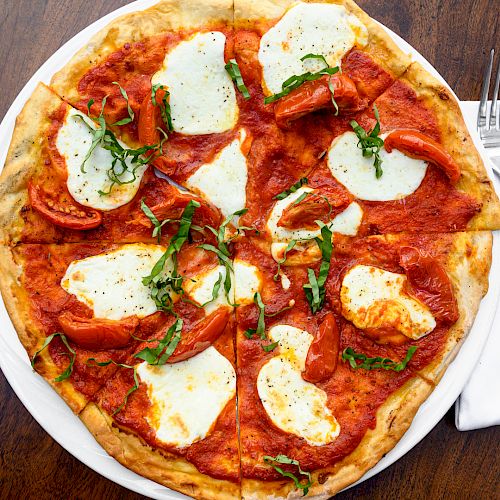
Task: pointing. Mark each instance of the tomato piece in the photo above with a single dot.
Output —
(205, 333)
(63, 211)
(312, 208)
(422, 147)
(98, 333)
(323, 353)
(175, 202)
(429, 283)
(150, 119)
(316, 95)
(246, 47)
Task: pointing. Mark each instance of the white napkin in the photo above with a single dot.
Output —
(479, 404)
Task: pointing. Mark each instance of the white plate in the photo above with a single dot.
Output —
(50, 411)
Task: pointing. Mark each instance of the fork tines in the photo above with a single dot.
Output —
(489, 129)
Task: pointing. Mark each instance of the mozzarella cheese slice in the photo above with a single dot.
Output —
(224, 180)
(202, 96)
(294, 405)
(188, 397)
(401, 176)
(73, 142)
(376, 299)
(200, 289)
(248, 281)
(111, 283)
(317, 28)
(347, 222)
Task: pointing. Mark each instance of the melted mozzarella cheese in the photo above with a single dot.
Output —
(73, 142)
(201, 286)
(294, 405)
(111, 283)
(347, 222)
(188, 397)
(401, 176)
(248, 281)
(224, 180)
(202, 96)
(374, 298)
(318, 28)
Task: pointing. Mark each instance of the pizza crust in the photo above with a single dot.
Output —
(166, 15)
(24, 160)
(17, 303)
(380, 46)
(457, 141)
(163, 467)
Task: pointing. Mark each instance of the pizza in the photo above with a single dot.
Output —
(243, 241)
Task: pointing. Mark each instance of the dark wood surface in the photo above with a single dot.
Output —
(455, 36)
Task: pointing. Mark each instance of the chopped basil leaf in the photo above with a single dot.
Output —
(300, 198)
(370, 143)
(121, 365)
(131, 115)
(334, 102)
(270, 347)
(160, 286)
(283, 459)
(296, 81)
(376, 363)
(156, 223)
(315, 289)
(234, 72)
(105, 139)
(166, 346)
(72, 355)
(290, 246)
(291, 189)
(165, 110)
(261, 323)
(222, 249)
(89, 105)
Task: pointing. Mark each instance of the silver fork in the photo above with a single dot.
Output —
(489, 129)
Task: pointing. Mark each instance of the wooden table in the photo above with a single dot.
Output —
(455, 37)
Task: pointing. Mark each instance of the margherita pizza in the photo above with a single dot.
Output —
(243, 241)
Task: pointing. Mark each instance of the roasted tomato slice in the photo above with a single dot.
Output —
(150, 119)
(97, 333)
(204, 334)
(313, 207)
(323, 352)
(417, 145)
(62, 210)
(429, 283)
(172, 207)
(316, 95)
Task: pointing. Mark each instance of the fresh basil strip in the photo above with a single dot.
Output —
(370, 143)
(160, 286)
(153, 219)
(376, 363)
(283, 459)
(234, 72)
(289, 247)
(296, 81)
(121, 365)
(166, 346)
(315, 289)
(72, 355)
(121, 156)
(165, 110)
(270, 347)
(291, 189)
(131, 115)
(300, 198)
(334, 102)
(222, 249)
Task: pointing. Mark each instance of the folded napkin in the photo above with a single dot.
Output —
(479, 404)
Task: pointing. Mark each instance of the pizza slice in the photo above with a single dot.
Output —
(336, 356)
(68, 178)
